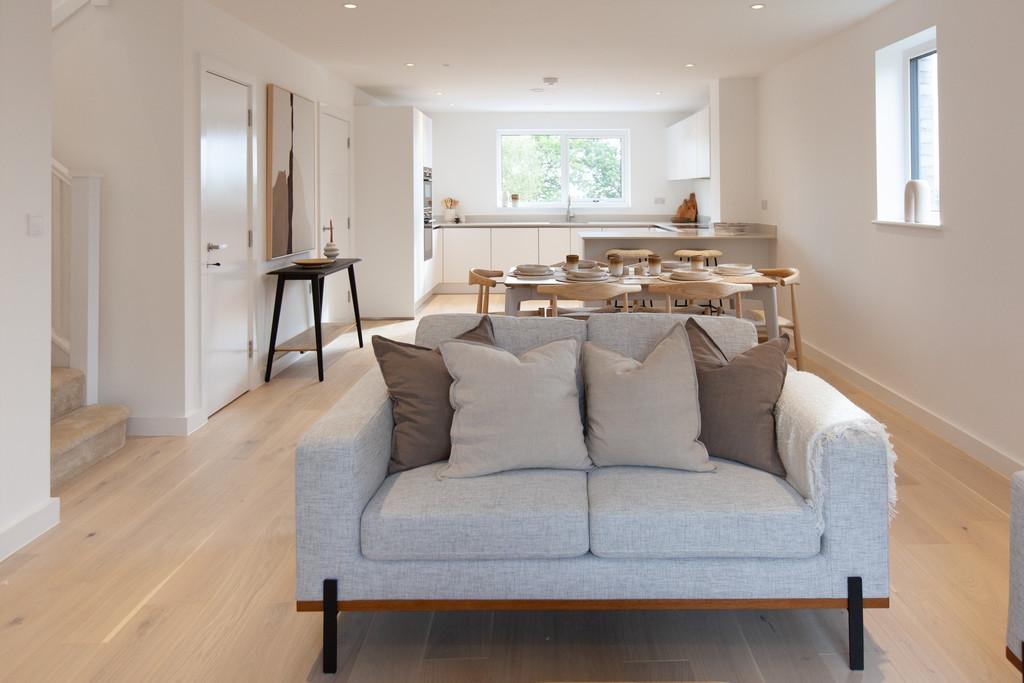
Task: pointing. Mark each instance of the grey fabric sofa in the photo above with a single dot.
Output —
(1015, 622)
(613, 538)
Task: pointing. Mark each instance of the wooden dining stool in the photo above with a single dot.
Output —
(588, 291)
(690, 291)
(701, 256)
(786, 277)
(630, 256)
(485, 282)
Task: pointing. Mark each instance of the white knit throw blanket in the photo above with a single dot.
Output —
(810, 414)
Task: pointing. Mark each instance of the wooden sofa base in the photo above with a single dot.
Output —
(584, 605)
(1015, 661)
(854, 603)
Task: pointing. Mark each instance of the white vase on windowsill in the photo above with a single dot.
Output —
(917, 202)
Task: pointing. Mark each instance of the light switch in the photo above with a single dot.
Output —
(36, 226)
(659, 200)
(764, 204)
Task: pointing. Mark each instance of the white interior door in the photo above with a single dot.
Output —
(335, 207)
(225, 202)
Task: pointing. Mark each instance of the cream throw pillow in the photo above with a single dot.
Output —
(644, 413)
(514, 413)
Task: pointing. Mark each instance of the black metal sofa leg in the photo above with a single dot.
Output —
(330, 626)
(855, 609)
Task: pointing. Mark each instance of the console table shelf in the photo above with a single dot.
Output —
(306, 341)
(321, 333)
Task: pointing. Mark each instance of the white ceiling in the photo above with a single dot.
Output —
(609, 55)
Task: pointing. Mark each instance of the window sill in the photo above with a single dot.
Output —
(904, 224)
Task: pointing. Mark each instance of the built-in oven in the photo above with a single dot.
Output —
(428, 213)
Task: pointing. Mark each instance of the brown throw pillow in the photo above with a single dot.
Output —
(418, 383)
(737, 399)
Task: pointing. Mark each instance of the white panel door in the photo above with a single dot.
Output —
(554, 244)
(512, 246)
(334, 210)
(226, 255)
(465, 249)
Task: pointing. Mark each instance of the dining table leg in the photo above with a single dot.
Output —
(770, 298)
(514, 297)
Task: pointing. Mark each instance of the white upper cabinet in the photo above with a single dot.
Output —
(689, 147)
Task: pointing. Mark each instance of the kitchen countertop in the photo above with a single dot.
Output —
(575, 224)
(617, 230)
(658, 233)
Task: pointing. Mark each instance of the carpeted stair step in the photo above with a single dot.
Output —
(67, 392)
(84, 437)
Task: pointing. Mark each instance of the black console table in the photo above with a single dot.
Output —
(313, 338)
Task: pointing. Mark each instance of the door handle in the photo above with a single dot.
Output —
(210, 265)
(210, 246)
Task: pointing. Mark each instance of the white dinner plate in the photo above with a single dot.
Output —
(668, 278)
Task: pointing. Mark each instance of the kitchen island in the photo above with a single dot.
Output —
(500, 245)
(751, 243)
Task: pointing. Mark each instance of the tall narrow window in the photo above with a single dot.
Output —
(907, 130)
(924, 121)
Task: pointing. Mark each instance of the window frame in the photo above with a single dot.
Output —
(913, 60)
(565, 134)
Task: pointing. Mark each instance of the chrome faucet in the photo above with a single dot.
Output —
(569, 215)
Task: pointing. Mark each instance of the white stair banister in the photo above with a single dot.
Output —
(85, 279)
(65, 9)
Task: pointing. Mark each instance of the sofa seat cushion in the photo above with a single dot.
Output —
(518, 515)
(734, 512)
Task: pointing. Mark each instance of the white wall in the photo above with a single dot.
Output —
(117, 75)
(466, 164)
(127, 96)
(215, 39)
(930, 315)
(26, 509)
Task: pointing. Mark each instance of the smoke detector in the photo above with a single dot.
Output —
(550, 80)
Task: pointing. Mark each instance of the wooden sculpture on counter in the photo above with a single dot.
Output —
(687, 211)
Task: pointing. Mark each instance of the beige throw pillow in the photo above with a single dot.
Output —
(644, 413)
(514, 413)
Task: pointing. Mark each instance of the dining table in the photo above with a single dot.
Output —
(519, 290)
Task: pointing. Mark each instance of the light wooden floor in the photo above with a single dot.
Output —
(175, 561)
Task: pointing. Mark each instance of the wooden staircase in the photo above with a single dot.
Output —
(80, 435)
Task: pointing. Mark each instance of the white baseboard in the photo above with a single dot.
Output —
(164, 426)
(962, 439)
(23, 532)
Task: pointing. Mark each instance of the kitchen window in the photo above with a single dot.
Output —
(545, 168)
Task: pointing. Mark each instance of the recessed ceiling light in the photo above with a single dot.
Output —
(451, 104)
(657, 92)
(410, 64)
(536, 89)
(446, 65)
(690, 66)
(350, 5)
(758, 5)
(439, 93)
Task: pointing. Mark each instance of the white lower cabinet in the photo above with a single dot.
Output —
(465, 249)
(436, 275)
(553, 244)
(512, 246)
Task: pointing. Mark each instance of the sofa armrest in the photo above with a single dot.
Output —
(339, 465)
(839, 458)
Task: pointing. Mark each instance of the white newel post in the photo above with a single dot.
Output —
(85, 280)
